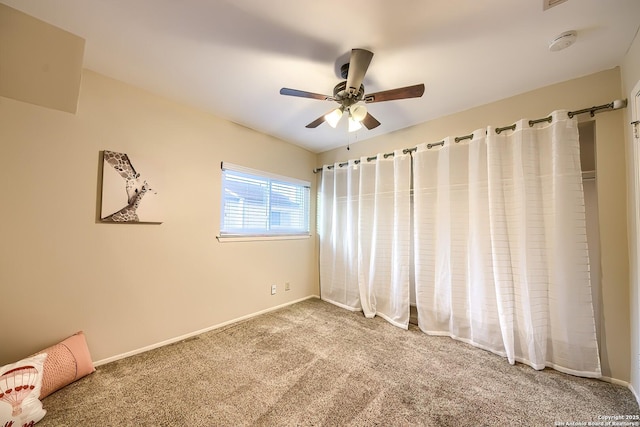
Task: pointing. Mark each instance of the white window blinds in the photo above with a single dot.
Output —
(256, 203)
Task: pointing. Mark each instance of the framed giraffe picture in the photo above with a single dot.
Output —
(130, 189)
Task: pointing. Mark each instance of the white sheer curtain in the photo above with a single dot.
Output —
(500, 245)
(338, 203)
(365, 237)
(455, 283)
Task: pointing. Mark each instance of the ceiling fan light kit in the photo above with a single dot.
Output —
(350, 92)
(334, 117)
(358, 112)
(354, 124)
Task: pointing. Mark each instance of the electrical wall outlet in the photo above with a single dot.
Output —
(273, 289)
(287, 286)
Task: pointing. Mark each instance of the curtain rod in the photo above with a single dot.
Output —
(614, 105)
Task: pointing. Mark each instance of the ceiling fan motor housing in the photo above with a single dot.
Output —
(343, 97)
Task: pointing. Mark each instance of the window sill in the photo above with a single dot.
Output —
(226, 239)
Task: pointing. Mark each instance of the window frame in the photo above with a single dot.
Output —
(235, 235)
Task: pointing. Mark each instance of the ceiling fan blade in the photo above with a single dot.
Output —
(305, 94)
(358, 65)
(370, 122)
(317, 122)
(414, 91)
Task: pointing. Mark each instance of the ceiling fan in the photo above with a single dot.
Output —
(350, 92)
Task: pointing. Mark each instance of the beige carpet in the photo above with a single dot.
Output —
(316, 364)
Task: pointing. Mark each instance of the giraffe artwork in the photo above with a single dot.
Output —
(121, 163)
(129, 212)
(127, 195)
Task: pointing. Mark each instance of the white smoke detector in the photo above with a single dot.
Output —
(563, 41)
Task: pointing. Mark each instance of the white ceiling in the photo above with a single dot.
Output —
(231, 57)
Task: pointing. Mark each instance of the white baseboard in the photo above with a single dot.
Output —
(615, 381)
(192, 334)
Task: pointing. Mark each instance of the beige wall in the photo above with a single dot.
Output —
(596, 89)
(630, 76)
(41, 64)
(132, 285)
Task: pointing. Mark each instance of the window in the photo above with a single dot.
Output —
(260, 204)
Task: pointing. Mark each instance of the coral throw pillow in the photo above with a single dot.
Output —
(67, 361)
(20, 385)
